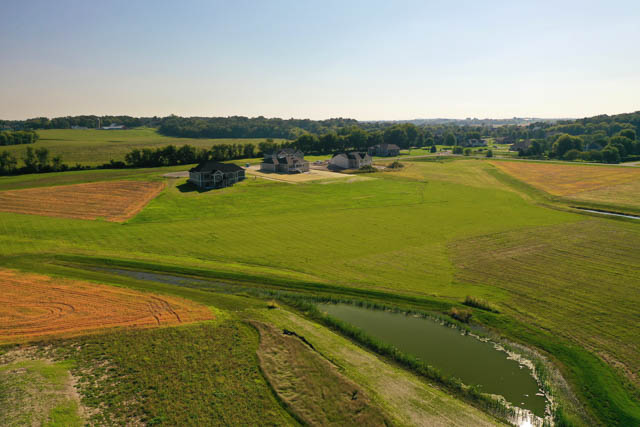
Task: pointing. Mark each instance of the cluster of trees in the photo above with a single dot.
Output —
(185, 155)
(608, 139)
(35, 161)
(597, 147)
(354, 138)
(18, 137)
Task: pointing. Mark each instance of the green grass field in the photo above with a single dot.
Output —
(209, 375)
(93, 147)
(433, 233)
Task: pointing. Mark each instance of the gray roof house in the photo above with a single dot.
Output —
(211, 174)
(474, 143)
(524, 145)
(285, 161)
(384, 150)
(352, 160)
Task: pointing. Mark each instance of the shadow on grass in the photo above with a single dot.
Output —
(188, 187)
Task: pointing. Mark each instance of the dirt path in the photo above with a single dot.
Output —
(312, 175)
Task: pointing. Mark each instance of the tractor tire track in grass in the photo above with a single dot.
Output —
(35, 306)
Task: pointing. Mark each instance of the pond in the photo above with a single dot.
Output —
(449, 350)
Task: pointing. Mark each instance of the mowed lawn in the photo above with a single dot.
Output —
(580, 280)
(387, 233)
(94, 147)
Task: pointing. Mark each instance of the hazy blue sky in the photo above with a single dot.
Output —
(319, 59)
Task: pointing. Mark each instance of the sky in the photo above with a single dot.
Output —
(368, 60)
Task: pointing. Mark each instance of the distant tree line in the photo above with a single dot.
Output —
(609, 139)
(193, 127)
(18, 137)
(88, 121)
(244, 127)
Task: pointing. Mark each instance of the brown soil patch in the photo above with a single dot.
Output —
(309, 385)
(295, 178)
(114, 201)
(34, 306)
(564, 180)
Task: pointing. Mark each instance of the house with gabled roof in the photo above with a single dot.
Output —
(212, 174)
(285, 161)
(384, 150)
(474, 143)
(523, 145)
(352, 160)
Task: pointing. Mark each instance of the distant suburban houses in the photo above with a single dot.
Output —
(285, 161)
(384, 150)
(211, 174)
(113, 126)
(352, 160)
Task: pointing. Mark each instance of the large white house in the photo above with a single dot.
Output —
(352, 160)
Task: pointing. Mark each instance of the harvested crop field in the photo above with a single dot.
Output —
(34, 306)
(114, 201)
(565, 180)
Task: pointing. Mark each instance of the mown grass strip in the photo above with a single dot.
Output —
(256, 280)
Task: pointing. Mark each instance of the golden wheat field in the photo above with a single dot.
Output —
(114, 201)
(34, 306)
(598, 184)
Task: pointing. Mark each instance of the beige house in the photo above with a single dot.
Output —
(285, 161)
(212, 174)
(352, 160)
